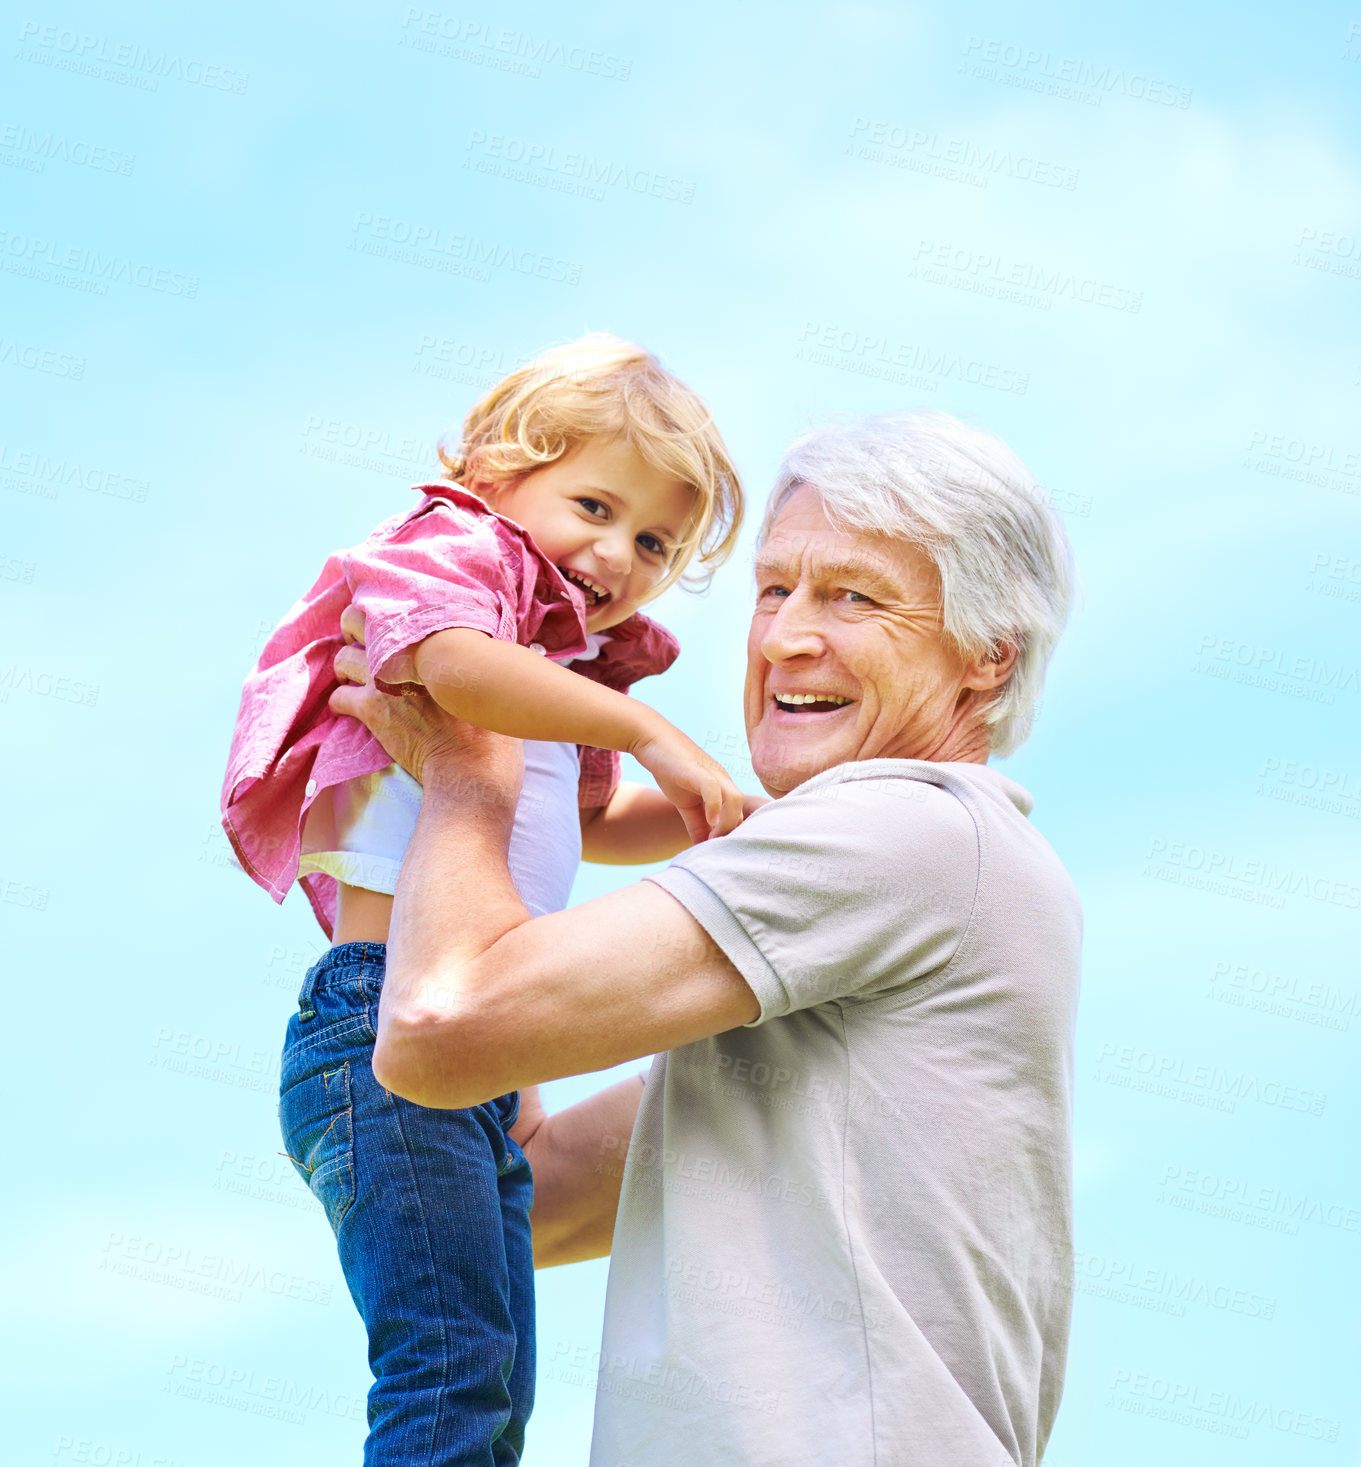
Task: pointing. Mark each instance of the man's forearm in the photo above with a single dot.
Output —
(577, 1156)
(454, 899)
(480, 1000)
(638, 826)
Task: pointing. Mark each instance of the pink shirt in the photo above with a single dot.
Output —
(451, 562)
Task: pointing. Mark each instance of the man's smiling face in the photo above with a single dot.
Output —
(847, 658)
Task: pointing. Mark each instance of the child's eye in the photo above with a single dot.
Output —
(591, 505)
(652, 544)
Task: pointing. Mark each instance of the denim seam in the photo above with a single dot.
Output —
(348, 1159)
(340, 1029)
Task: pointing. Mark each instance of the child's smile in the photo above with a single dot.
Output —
(596, 594)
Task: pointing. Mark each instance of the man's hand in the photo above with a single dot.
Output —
(418, 734)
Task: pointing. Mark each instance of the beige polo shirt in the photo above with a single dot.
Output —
(845, 1229)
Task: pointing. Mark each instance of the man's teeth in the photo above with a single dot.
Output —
(796, 700)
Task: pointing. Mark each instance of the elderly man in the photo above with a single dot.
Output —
(844, 1229)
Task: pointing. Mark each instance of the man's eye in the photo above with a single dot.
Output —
(774, 591)
(858, 596)
(652, 544)
(591, 505)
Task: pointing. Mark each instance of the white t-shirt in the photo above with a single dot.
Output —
(358, 831)
(844, 1236)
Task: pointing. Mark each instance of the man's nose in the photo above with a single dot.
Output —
(792, 631)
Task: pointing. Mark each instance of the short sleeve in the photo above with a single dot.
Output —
(440, 568)
(854, 890)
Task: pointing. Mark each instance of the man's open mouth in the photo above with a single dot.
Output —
(810, 702)
(596, 594)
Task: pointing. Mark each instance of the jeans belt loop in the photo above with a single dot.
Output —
(306, 1009)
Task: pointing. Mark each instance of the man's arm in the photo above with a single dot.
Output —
(479, 1000)
(577, 1156)
(639, 826)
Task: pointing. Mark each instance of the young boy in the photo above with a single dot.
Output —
(583, 486)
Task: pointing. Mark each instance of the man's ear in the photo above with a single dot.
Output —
(988, 671)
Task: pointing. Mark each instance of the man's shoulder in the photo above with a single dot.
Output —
(884, 791)
(861, 826)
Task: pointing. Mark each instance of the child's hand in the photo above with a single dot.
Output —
(698, 786)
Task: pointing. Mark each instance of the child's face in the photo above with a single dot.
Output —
(606, 518)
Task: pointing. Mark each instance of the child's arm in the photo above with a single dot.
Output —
(639, 826)
(512, 690)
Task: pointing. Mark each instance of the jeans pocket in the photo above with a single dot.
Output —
(317, 1120)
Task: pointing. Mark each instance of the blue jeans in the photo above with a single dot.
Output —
(431, 1213)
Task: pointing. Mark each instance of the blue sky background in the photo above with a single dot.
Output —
(216, 368)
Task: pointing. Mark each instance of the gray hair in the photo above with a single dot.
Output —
(957, 491)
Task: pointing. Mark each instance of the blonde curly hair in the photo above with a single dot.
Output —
(602, 387)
